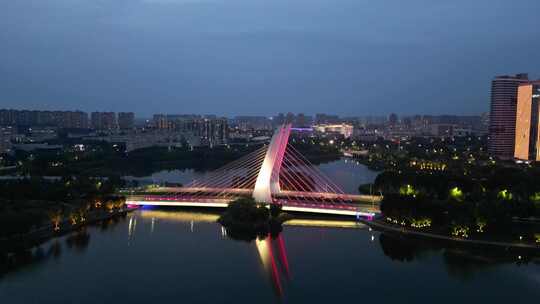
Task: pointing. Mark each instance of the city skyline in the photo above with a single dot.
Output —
(9, 116)
(167, 56)
(149, 114)
(235, 115)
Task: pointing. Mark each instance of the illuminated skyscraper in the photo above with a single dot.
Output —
(527, 123)
(503, 115)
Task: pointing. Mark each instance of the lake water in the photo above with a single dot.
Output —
(182, 256)
(175, 256)
(346, 173)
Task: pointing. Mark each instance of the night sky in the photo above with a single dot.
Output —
(260, 57)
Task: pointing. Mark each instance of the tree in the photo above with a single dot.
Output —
(55, 216)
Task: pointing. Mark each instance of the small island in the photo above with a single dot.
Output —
(247, 220)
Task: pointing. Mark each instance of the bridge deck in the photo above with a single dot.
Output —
(283, 193)
(368, 210)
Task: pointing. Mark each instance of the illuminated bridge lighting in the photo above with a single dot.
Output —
(275, 174)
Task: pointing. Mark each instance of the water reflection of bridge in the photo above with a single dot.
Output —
(274, 174)
(199, 217)
(271, 249)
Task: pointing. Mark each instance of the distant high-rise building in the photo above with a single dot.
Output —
(484, 122)
(178, 122)
(300, 120)
(326, 119)
(279, 119)
(407, 122)
(159, 121)
(209, 129)
(5, 138)
(126, 120)
(8, 117)
(303, 121)
(289, 118)
(103, 121)
(527, 143)
(245, 123)
(27, 118)
(503, 115)
(60, 119)
(393, 119)
(212, 131)
(71, 119)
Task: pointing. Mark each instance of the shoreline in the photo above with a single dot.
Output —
(376, 224)
(46, 232)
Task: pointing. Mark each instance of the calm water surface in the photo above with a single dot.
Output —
(179, 256)
(166, 256)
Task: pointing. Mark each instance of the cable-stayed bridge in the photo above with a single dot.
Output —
(274, 174)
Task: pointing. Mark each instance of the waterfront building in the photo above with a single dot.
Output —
(527, 144)
(504, 90)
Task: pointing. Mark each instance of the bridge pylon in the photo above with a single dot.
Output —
(267, 182)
